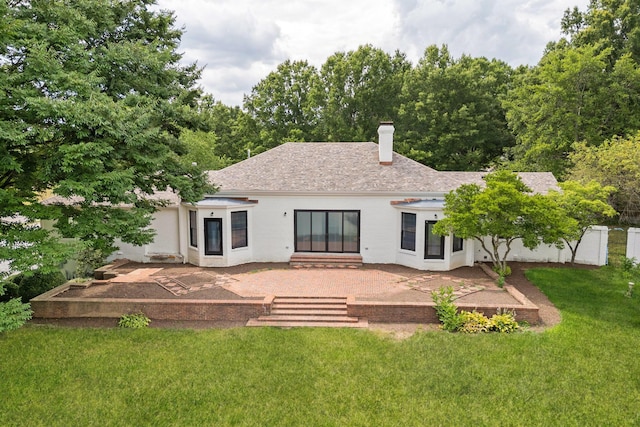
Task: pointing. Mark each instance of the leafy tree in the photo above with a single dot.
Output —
(452, 115)
(284, 104)
(585, 88)
(612, 25)
(584, 203)
(202, 149)
(92, 102)
(560, 102)
(503, 211)
(615, 163)
(235, 130)
(362, 88)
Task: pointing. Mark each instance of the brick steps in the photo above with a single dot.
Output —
(323, 260)
(290, 312)
(362, 323)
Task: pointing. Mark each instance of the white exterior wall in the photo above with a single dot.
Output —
(271, 231)
(633, 243)
(165, 243)
(229, 257)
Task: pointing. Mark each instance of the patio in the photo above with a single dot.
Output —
(378, 293)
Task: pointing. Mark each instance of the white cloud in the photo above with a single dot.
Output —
(241, 41)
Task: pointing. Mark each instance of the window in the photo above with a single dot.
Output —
(213, 236)
(239, 230)
(193, 228)
(408, 232)
(433, 244)
(327, 231)
(458, 243)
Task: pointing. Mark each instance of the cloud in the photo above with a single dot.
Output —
(514, 31)
(241, 41)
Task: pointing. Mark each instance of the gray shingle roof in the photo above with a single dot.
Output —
(344, 167)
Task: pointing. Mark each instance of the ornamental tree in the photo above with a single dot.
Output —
(501, 212)
(92, 102)
(584, 203)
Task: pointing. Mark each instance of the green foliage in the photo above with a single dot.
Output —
(33, 283)
(473, 322)
(94, 100)
(88, 259)
(504, 322)
(445, 309)
(583, 371)
(286, 103)
(615, 163)
(451, 117)
(503, 211)
(584, 204)
(134, 321)
(13, 313)
(361, 88)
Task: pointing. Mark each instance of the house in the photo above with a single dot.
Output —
(312, 201)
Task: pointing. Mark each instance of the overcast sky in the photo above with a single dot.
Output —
(241, 41)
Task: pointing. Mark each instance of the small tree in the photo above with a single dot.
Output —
(586, 204)
(503, 211)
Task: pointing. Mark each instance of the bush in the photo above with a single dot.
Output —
(13, 313)
(445, 309)
(88, 259)
(504, 322)
(31, 284)
(134, 321)
(474, 322)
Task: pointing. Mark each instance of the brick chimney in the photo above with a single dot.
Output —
(385, 143)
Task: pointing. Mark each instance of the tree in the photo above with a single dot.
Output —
(284, 104)
(585, 88)
(92, 102)
(502, 212)
(362, 88)
(612, 25)
(451, 117)
(560, 102)
(584, 203)
(615, 163)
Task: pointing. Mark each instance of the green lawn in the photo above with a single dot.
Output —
(586, 371)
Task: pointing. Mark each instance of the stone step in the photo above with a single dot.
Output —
(320, 260)
(361, 323)
(308, 300)
(308, 312)
(287, 306)
(307, 318)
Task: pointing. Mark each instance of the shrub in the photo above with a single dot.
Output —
(474, 322)
(504, 322)
(31, 284)
(445, 309)
(13, 313)
(502, 272)
(134, 321)
(88, 259)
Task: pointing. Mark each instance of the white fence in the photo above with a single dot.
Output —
(633, 243)
(592, 250)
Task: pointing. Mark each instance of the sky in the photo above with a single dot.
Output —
(239, 42)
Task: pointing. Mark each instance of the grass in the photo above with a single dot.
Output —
(584, 371)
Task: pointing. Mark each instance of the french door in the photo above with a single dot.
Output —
(213, 236)
(327, 231)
